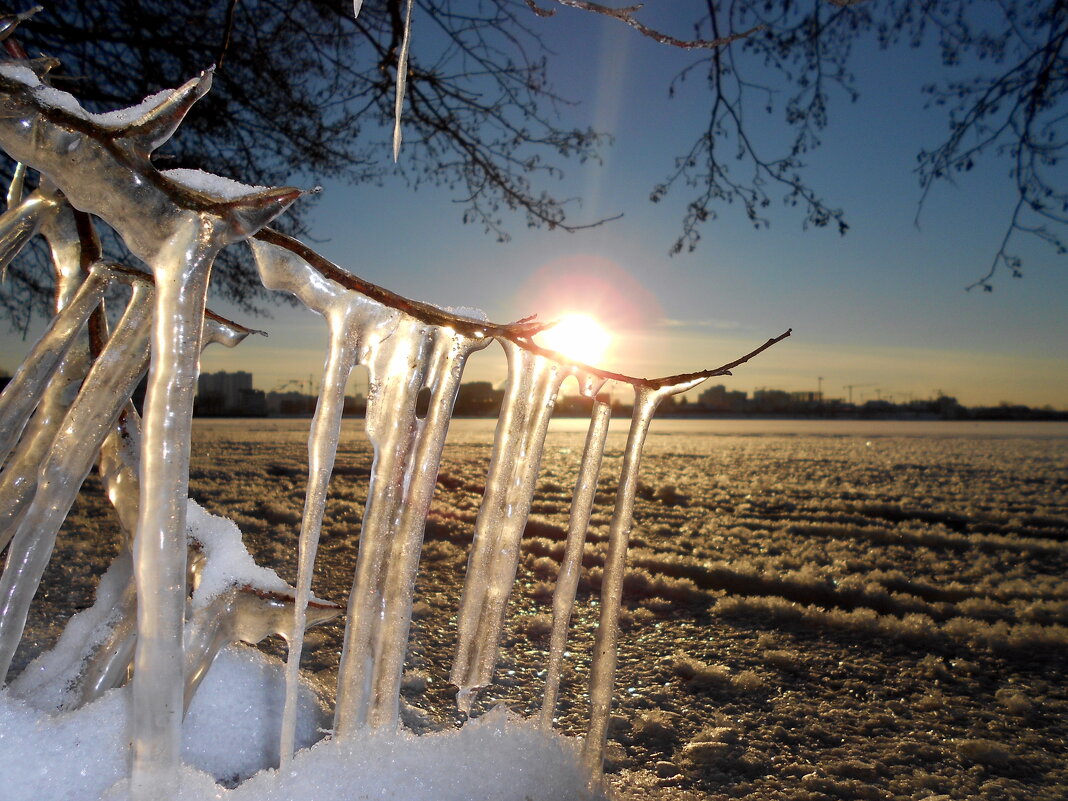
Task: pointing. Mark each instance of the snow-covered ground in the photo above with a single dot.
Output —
(813, 611)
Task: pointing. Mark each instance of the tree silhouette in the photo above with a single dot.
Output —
(1008, 103)
(305, 91)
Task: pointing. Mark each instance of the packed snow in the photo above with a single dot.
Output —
(231, 733)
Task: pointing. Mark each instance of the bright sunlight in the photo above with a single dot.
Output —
(577, 337)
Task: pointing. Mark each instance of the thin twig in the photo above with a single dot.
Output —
(626, 16)
(231, 8)
(519, 332)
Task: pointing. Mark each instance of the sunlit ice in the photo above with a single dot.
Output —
(578, 337)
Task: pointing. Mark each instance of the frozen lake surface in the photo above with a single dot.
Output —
(814, 609)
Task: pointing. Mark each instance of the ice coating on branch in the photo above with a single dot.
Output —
(64, 101)
(241, 614)
(533, 381)
(220, 331)
(18, 481)
(403, 475)
(89, 420)
(9, 22)
(568, 576)
(20, 397)
(606, 644)
(101, 163)
(23, 219)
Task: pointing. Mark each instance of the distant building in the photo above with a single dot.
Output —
(719, 399)
(772, 401)
(355, 404)
(224, 393)
(478, 399)
(290, 403)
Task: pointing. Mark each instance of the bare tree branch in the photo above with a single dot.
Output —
(626, 16)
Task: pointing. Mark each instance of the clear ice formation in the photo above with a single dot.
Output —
(18, 480)
(21, 395)
(70, 401)
(110, 381)
(567, 578)
(605, 647)
(533, 381)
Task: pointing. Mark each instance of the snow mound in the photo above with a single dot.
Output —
(231, 732)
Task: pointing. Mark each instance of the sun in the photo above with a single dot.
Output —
(577, 337)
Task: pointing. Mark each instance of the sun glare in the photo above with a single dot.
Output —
(578, 337)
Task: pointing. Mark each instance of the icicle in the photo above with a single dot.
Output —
(17, 185)
(18, 481)
(402, 81)
(26, 387)
(182, 267)
(404, 473)
(533, 381)
(356, 325)
(110, 663)
(106, 389)
(603, 669)
(21, 222)
(568, 577)
(322, 451)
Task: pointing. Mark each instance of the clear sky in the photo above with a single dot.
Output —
(883, 308)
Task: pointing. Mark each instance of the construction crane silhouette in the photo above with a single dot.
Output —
(304, 387)
(851, 387)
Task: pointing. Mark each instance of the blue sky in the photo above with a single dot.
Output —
(883, 307)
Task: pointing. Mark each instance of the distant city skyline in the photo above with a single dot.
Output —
(232, 393)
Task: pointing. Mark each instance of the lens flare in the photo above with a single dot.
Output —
(577, 337)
